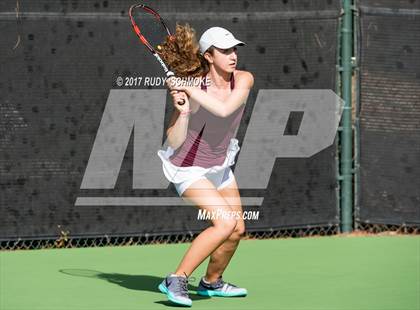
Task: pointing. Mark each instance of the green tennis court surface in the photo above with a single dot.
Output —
(308, 273)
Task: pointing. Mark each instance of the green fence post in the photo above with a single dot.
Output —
(346, 133)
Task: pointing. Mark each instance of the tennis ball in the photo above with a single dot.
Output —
(159, 47)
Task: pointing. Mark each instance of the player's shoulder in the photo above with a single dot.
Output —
(244, 76)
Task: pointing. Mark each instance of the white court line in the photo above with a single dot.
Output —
(150, 201)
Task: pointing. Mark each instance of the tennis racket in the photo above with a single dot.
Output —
(152, 31)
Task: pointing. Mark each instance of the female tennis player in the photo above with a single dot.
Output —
(201, 150)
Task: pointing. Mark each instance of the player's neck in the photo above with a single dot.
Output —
(219, 78)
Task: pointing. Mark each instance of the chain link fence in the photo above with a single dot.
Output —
(64, 240)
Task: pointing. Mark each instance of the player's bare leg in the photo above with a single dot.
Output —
(205, 196)
(221, 257)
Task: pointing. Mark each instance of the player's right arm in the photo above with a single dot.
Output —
(178, 124)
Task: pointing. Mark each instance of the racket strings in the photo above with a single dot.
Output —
(151, 28)
(180, 52)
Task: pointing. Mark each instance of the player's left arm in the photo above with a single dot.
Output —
(243, 84)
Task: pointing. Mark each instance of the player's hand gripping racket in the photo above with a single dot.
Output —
(152, 31)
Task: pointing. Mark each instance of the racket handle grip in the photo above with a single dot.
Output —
(169, 74)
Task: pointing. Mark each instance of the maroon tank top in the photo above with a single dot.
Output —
(208, 137)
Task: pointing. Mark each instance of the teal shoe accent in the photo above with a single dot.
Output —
(162, 288)
(171, 297)
(217, 293)
(220, 288)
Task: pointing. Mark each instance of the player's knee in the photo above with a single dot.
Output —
(226, 227)
(238, 232)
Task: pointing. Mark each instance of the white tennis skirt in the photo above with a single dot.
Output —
(183, 177)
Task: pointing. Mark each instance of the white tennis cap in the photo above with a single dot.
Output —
(218, 37)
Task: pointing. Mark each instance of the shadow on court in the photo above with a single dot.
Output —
(132, 282)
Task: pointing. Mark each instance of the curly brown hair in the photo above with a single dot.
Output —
(181, 53)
